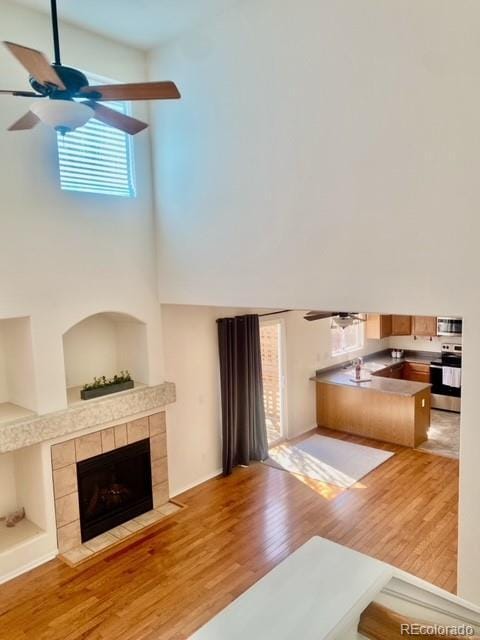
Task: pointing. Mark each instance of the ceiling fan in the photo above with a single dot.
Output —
(62, 85)
(342, 319)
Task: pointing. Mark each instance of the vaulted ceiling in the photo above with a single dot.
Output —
(140, 23)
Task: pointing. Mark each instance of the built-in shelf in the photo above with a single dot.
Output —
(18, 397)
(104, 345)
(23, 531)
(10, 412)
(73, 394)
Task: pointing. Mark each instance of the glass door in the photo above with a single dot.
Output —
(273, 361)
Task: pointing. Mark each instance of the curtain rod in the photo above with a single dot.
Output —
(261, 315)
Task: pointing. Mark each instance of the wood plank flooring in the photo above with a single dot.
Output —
(167, 584)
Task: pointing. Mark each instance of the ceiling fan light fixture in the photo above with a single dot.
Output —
(62, 115)
(343, 321)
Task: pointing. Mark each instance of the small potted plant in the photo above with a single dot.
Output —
(104, 386)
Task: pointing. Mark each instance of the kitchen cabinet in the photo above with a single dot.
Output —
(394, 371)
(388, 416)
(401, 325)
(416, 372)
(378, 326)
(424, 326)
(412, 371)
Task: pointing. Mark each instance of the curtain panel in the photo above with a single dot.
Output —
(244, 429)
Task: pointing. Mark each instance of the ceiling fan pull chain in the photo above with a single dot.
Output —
(56, 39)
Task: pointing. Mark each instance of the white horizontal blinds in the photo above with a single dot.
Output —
(97, 158)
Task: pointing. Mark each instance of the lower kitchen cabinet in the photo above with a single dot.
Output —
(390, 417)
(416, 372)
(394, 371)
(412, 371)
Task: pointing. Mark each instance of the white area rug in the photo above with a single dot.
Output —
(327, 459)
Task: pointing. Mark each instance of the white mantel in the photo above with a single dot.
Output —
(93, 413)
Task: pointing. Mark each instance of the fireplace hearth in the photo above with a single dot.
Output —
(114, 487)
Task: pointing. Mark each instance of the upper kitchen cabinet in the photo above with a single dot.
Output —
(378, 326)
(401, 325)
(424, 326)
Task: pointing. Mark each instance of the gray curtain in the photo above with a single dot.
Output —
(243, 413)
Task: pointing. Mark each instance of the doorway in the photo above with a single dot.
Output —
(272, 343)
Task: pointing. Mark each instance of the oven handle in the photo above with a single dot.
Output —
(440, 366)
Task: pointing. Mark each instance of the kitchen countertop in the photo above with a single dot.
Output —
(375, 362)
(384, 357)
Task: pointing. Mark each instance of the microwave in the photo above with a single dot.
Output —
(448, 326)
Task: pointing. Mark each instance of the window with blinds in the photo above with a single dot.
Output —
(97, 158)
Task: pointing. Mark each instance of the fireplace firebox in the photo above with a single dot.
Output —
(114, 487)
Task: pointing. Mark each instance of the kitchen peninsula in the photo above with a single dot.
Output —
(383, 407)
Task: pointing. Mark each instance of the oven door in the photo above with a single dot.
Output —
(449, 326)
(443, 396)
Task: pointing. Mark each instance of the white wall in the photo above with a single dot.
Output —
(65, 256)
(422, 344)
(322, 155)
(19, 364)
(3, 372)
(17, 371)
(194, 421)
(30, 474)
(8, 493)
(132, 349)
(90, 350)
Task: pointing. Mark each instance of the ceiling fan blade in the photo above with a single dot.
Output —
(319, 315)
(36, 64)
(26, 94)
(28, 121)
(115, 119)
(135, 91)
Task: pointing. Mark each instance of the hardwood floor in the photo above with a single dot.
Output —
(167, 584)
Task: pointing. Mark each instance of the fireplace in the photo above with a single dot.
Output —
(114, 487)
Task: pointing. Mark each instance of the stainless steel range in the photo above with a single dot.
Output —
(446, 378)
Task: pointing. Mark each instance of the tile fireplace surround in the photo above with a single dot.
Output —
(65, 456)
(40, 454)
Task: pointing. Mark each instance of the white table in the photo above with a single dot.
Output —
(317, 593)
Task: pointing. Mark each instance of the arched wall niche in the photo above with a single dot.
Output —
(104, 344)
(18, 396)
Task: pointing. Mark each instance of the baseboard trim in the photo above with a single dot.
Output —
(28, 567)
(195, 483)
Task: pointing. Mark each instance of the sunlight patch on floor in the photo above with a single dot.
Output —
(284, 455)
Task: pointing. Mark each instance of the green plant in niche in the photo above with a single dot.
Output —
(98, 383)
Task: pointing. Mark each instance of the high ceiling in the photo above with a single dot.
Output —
(141, 23)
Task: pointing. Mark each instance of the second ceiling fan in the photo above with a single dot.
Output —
(63, 86)
(342, 319)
